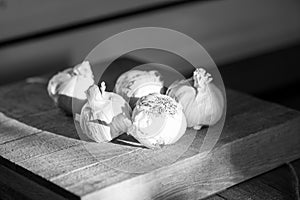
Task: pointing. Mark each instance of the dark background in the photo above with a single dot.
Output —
(254, 43)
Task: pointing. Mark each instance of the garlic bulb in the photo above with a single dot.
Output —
(70, 85)
(105, 116)
(134, 84)
(157, 120)
(202, 103)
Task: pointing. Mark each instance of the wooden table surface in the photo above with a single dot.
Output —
(42, 157)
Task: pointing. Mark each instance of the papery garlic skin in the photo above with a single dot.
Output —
(138, 83)
(57, 82)
(202, 103)
(105, 116)
(83, 69)
(157, 120)
(70, 85)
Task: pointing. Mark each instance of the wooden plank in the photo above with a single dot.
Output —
(12, 130)
(98, 173)
(23, 99)
(254, 190)
(35, 145)
(74, 168)
(81, 177)
(226, 166)
(78, 157)
(214, 197)
(283, 179)
(23, 184)
(54, 121)
(92, 160)
(30, 104)
(8, 193)
(72, 159)
(88, 170)
(275, 184)
(241, 108)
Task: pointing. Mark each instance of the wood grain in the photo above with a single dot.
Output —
(43, 144)
(35, 145)
(12, 130)
(22, 99)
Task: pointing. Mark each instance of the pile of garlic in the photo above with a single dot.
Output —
(138, 108)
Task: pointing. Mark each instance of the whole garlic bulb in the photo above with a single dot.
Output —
(70, 85)
(105, 116)
(157, 120)
(202, 103)
(134, 84)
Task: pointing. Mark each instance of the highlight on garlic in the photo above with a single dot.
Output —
(134, 84)
(202, 103)
(157, 120)
(67, 88)
(105, 116)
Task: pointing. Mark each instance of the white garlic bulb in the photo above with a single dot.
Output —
(157, 120)
(105, 116)
(202, 103)
(134, 84)
(70, 85)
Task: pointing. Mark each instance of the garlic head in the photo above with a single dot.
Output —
(69, 86)
(105, 116)
(57, 82)
(157, 120)
(83, 69)
(134, 84)
(202, 103)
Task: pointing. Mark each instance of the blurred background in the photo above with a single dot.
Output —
(255, 44)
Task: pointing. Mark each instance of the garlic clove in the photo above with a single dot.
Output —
(119, 125)
(214, 110)
(134, 84)
(158, 120)
(123, 107)
(192, 111)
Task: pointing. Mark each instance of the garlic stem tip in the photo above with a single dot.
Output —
(85, 62)
(201, 78)
(102, 88)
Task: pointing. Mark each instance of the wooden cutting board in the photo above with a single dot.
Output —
(42, 157)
